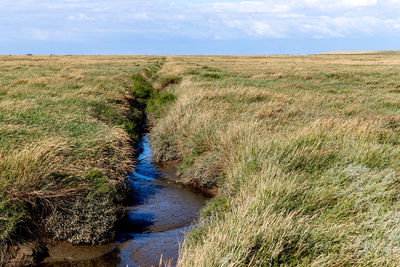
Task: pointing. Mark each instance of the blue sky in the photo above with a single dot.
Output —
(197, 27)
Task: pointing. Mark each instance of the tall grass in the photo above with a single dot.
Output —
(66, 129)
(300, 151)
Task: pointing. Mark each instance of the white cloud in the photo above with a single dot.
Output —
(80, 17)
(322, 4)
(140, 16)
(254, 28)
(41, 35)
(48, 35)
(248, 7)
(217, 20)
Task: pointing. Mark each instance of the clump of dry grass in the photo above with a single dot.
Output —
(303, 151)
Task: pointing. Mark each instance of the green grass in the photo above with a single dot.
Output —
(153, 101)
(66, 129)
(302, 152)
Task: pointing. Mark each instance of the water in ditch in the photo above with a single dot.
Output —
(159, 214)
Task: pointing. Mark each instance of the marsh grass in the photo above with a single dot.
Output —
(303, 151)
(66, 130)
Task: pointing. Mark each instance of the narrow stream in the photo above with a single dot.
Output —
(159, 213)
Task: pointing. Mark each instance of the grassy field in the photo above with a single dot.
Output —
(301, 151)
(66, 130)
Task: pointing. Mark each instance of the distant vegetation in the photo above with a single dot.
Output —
(302, 153)
(387, 52)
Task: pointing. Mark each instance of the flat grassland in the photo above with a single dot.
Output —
(304, 151)
(66, 130)
(301, 152)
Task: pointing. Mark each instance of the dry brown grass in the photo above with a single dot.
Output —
(303, 149)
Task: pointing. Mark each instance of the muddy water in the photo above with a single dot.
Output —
(159, 213)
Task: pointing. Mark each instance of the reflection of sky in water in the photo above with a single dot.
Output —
(168, 242)
(145, 168)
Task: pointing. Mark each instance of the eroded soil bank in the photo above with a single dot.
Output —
(159, 213)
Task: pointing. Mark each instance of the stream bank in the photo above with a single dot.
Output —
(159, 213)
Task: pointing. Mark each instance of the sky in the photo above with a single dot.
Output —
(197, 27)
